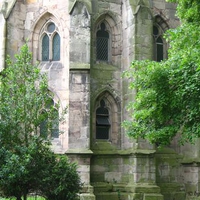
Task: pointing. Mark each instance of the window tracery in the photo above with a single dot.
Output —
(102, 43)
(50, 128)
(159, 44)
(102, 121)
(50, 43)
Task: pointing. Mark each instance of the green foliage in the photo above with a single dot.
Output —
(152, 116)
(24, 94)
(56, 188)
(27, 163)
(23, 167)
(32, 197)
(37, 169)
(188, 10)
(168, 93)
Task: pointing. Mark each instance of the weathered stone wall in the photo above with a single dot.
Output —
(169, 175)
(3, 40)
(15, 29)
(117, 168)
(79, 111)
(25, 23)
(106, 76)
(79, 92)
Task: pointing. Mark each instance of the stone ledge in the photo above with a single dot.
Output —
(153, 197)
(87, 197)
(144, 188)
(100, 187)
(79, 66)
(191, 161)
(123, 152)
(117, 195)
(79, 151)
(170, 187)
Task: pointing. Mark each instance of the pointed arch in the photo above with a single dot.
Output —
(86, 6)
(107, 37)
(159, 43)
(56, 47)
(49, 127)
(102, 43)
(161, 22)
(46, 24)
(106, 119)
(45, 47)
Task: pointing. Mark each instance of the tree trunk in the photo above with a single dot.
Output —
(19, 198)
(25, 196)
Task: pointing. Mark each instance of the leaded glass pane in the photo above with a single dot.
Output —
(51, 28)
(102, 49)
(43, 129)
(159, 49)
(44, 125)
(45, 48)
(102, 132)
(102, 39)
(56, 47)
(103, 120)
(55, 125)
(102, 110)
(155, 30)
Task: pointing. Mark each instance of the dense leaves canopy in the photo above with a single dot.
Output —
(188, 10)
(168, 93)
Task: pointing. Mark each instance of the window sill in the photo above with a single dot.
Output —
(50, 65)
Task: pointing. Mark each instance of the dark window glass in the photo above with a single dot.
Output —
(102, 132)
(155, 31)
(159, 49)
(102, 38)
(43, 125)
(158, 45)
(51, 28)
(52, 126)
(55, 125)
(56, 47)
(45, 48)
(102, 122)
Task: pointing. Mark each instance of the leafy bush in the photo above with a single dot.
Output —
(63, 181)
(168, 93)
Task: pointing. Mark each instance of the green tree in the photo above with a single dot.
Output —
(64, 182)
(168, 92)
(24, 95)
(23, 167)
(27, 161)
(188, 10)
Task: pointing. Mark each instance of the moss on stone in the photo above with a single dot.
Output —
(79, 66)
(79, 151)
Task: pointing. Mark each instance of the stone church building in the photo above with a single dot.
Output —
(84, 46)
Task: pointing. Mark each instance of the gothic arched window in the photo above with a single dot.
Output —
(45, 48)
(50, 48)
(102, 43)
(158, 45)
(48, 127)
(102, 121)
(56, 47)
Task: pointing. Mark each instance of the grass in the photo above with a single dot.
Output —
(29, 198)
(190, 197)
